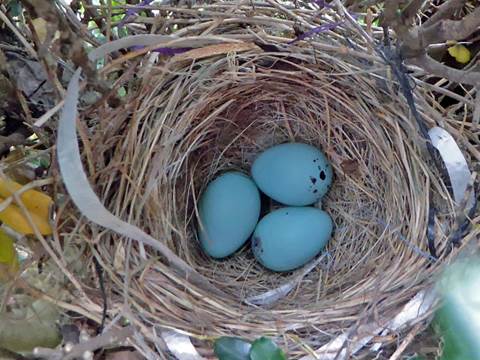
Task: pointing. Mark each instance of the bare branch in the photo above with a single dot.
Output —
(434, 67)
(354, 5)
(390, 13)
(444, 11)
(416, 40)
(450, 29)
(111, 337)
(16, 138)
(412, 9)
(114, 336)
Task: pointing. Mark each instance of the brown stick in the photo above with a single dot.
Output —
(408, 339)
(77, 351)
(444, 11)
(434, 67)
(445, 30)
(390, 13)
(412, 9)
(415, 40)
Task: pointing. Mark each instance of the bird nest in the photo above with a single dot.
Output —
(246, 86)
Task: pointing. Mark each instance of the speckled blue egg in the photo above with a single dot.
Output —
(293, 174)
(228, 212)
(290, 237)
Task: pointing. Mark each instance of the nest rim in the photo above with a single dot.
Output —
(187, 111)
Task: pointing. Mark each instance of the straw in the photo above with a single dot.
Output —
(244, 87)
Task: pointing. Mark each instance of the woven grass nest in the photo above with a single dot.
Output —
(198, 114)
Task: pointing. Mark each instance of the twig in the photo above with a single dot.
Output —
(462, 219)
(434, 67)
(445, 30)
(415, 40)
(290, 13)
(133, 11)
(16, 138)
(45, 117)
(344, 12)
(113, 336)
(101, 282)
(412, 9)
(15, 195)
(91, 14)
(445, 10)
(476, 111)
(390, 13)
(408, 339)
(363, 4)
(20, 37)
(81, 28)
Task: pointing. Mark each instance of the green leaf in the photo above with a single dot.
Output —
(30, 328)
(266, 349)
(9, 264)
(459, 316)
(122, 32)
(122, 92)
(232, 348)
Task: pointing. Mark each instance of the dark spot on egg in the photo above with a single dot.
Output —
(315, 191)
(322, 175)
(315, 160)
(256, 241)
(313, 180)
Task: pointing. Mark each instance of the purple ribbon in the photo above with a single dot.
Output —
(164, 50)
(316, 30)
(323, 4)
(132, 11)
(322, 28)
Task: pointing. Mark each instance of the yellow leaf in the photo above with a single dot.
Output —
(7, 250)
(40, 26)
(34, 200)
(13, 217)
(460, 53)
(9, 264)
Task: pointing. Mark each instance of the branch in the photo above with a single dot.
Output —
(390, 13)
(357, 5)
(77, 351)
(444, 11)
(114, 336)
(412, 9)
(416, 40)
(434, 67)
(450, 29)
(16, 138)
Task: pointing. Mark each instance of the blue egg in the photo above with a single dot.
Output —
(293, 174)
(229, 210)
(290, 237)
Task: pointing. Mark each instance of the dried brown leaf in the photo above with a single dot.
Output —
(213, 50)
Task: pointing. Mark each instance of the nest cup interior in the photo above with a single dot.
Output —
(194, 121)
(376, 199)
